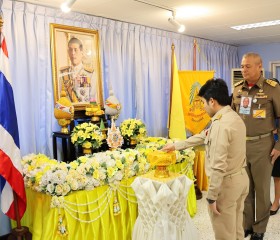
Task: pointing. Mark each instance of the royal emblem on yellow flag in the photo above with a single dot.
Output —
(196, 119)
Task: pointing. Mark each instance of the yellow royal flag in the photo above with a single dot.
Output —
(196, 119)
(176, 114)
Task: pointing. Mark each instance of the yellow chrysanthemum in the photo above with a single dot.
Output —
(96, 174)
(87, 144)
(110, 171)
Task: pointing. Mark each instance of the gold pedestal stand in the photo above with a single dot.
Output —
(161, 160)
(64, 112)
(94, 111)
(64, 125)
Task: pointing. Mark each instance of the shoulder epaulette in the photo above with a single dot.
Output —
(271, 82)
(218, 117)
(62, 69)
(90, 70)
(238, 83)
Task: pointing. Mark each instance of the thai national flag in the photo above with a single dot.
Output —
(10, 167)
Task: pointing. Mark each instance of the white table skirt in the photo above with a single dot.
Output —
(162, 213)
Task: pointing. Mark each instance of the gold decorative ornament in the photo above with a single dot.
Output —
(161, 160)
(64, 112)
(133, 141)
(87, 150)
(114, 138)
(93, 109)
(116, 206)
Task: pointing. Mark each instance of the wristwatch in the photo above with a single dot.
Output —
(210, 201)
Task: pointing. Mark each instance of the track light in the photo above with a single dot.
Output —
(180, 27)
(66, 6)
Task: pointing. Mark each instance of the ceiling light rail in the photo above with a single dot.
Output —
(257, 25)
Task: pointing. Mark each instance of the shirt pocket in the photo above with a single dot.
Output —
(261, 103)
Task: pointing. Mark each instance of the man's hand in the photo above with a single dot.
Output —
(168, 147)
(213, 208)
(274, 155)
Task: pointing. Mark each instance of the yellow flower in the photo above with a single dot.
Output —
(110, 171)
(142, 130)
(96, 174)
(74, 138)
(87, 132)
(84, 125)
(83, 159)
(87, 145)
(95, 164)
(74, 164)
(133, 128)
(80, 133)
(38, 177)
(119, 164)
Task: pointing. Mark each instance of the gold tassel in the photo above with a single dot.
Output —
(117, 209)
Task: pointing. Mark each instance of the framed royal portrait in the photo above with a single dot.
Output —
(76, 65)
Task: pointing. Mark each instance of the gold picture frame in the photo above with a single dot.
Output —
(76, 65)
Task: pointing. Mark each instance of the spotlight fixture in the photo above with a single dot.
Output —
(66, 6)
(180, 27)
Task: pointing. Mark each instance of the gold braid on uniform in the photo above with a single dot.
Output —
(271, 82)
(68, 84)
(238, 83)
(218, 117)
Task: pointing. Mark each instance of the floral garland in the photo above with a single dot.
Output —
(88, 135)
(87, 172)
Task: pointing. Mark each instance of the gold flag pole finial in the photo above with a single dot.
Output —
(1, 22)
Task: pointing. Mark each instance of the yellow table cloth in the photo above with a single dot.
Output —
(90, 214)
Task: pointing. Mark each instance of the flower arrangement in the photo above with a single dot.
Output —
(87, 172)
(133, 128)
(49, 176)
(88, 135)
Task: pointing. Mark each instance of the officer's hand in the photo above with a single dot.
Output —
(168, 147)
(274, 155)
(213, 208)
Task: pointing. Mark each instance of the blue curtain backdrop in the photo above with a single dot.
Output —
(136, 62)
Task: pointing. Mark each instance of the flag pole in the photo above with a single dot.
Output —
(194, 54)
(19, 232)
(198, 192)
(171, 84)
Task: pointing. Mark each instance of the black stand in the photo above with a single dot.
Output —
(20, 233)
(67, 147)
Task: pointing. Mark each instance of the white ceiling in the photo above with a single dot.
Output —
(215, 25)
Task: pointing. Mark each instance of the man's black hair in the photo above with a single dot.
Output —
(217, 89)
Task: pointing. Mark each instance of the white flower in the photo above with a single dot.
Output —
(58, 190)
(50, 188)
(111, 163)
(119, 175)
(58, 179)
